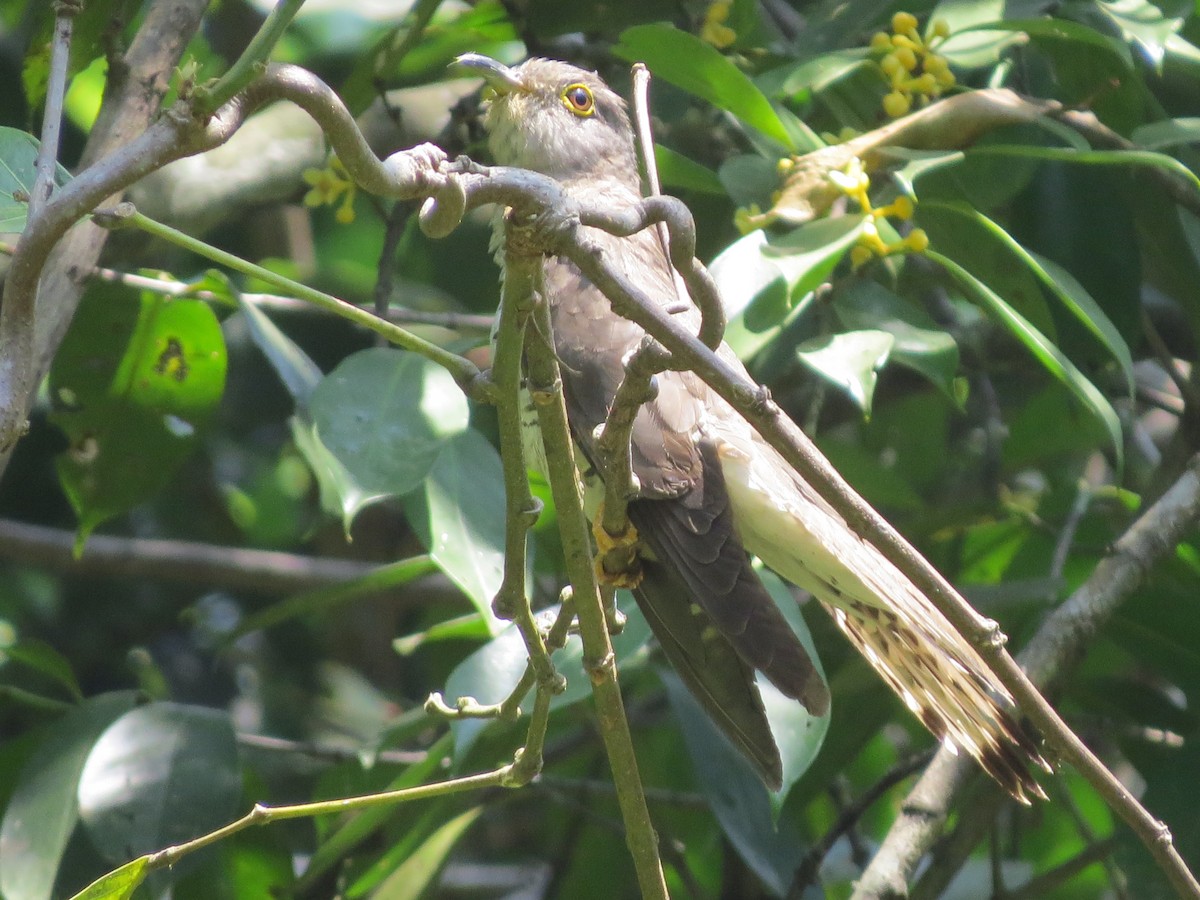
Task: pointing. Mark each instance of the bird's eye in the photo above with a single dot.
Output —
(578, 99)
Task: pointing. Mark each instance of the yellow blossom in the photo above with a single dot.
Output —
(714, 30)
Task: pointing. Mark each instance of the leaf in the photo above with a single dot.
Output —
(1043, 350)
(1167, 133)
(917, 344)
(131, 386)
(464, 496)
(491, 673)
(417, 873)
(299, 374)
(677, 171)
(42, 812)
(160, 775)
(1142, 24)
(119, 884)
(772, 849)
(698, 68)
(822, 71)
(1062, 284)
(851, 360)
(382, 416)
(18, 155)
(43, 658)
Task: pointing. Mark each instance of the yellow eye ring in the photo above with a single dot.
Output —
(578, 99)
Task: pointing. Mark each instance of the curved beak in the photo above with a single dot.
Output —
(498, 76)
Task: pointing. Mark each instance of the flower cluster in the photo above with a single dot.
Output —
(714, 30)
(913, 69)
(329, 183)
(854, 182)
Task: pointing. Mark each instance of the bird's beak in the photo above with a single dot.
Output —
(498, 76)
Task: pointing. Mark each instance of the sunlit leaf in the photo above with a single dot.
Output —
(698, 68)
(119, 884)
(18, 154)
(851, 360)
(131, 386)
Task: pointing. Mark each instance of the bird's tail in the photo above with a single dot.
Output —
(949, 687)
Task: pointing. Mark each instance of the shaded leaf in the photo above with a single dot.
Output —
(160, 775)
(299, 374)
(43, 658)
(43, 812)
(416, 874)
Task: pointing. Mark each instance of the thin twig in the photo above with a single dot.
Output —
(46, 163)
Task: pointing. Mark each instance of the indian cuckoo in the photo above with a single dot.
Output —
(711, 491)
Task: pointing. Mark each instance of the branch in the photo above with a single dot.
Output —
(1052, 653)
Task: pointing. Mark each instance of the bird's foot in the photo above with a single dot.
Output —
(617, 560)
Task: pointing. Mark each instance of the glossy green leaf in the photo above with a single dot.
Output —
(698, 68)
(134, 381)
(119, 884)
(416, 874)
(42, 813)
(1042, 349)
(464, 496)
(851, 360)
(1143, 24)
(819, 72)
(160, 775)
(917, 342)
(18, 154)
(383, 416)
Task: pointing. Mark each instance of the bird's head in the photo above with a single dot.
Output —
(556, 119)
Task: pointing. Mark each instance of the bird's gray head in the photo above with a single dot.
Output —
(556, 119)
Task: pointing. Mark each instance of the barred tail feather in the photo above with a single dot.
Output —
(949, 688)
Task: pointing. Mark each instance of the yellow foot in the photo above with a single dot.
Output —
(617, 561)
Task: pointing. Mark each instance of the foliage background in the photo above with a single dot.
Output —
(935, 405)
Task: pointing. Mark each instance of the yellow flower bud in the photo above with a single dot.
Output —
(941, 28)
(881, 41)
(902, 22)
(860, 255)
(902, 207)
(925, 84)
(945, 79)
(896, 104)
(891, 65)
(917, 240)
(906, 57)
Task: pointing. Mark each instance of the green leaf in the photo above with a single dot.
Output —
(492, 672)
(699, 68)
(1042, 349)
(771, 848)
(321, 600)
(382, 416)
(1143, 24)
(42, 812)
(43, 658)
(821, 71)
(1061, 283)
(464, 496)
(299, 374)
(851, 360)
(416, 874)
(131, 385)
(917, 342)
(18, 154)
(1167, 133)
(119, 884)
(160, 775)
(677, 171)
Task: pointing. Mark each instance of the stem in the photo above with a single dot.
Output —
(249, 65)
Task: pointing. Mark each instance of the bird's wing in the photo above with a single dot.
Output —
(683, 513)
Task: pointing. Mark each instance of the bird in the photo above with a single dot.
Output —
(710, 491)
